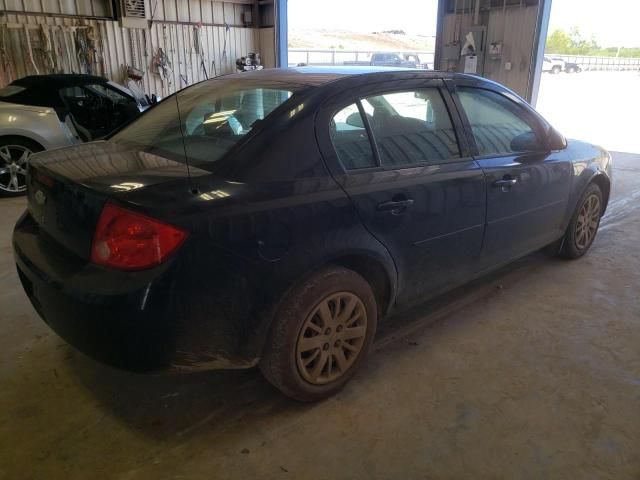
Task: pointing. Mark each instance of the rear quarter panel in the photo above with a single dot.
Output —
(259, 226)
(40, 124)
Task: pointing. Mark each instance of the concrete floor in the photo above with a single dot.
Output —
(532, 373)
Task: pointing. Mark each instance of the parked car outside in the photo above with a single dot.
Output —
(272, 218)
(387, 59)
(41, 112)
(571, 67)
(552, 65)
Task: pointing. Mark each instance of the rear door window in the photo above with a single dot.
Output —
(412, 128)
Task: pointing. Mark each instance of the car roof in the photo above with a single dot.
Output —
(316, 76)
(320, 76)
(56, 81)
(42, 90)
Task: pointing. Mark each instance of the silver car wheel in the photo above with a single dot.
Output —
(13, 168)
(331, 338)
(588, 220)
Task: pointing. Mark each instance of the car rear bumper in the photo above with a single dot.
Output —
(131, 320)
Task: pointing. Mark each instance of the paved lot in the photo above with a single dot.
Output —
(531, 373)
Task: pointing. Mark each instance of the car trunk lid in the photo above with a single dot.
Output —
(68, 187)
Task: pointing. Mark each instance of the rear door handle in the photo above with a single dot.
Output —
(395, 206)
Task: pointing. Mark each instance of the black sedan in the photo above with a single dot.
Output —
(571, 67)
(272, 218)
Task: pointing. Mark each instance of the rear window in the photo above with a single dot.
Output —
(27, 95)
(10, 90)
(213, 116)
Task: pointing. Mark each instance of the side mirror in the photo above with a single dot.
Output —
(355, 120)
(526, 142)
(556, 140)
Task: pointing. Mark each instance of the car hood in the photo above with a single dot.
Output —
(111, 168)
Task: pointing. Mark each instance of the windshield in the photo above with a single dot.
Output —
(213, 116)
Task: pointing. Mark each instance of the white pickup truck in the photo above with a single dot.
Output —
(552, 65)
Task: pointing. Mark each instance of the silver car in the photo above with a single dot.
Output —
(42, 112)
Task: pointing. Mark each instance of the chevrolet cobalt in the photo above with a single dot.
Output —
(272, 218)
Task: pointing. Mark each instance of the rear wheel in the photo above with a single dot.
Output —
(320, 335)
(584, 224)
(556, 69)
(14, 155)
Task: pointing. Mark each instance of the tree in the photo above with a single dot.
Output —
(581, 45)
(558, 42)
(572, 43)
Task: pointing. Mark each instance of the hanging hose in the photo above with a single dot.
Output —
(162, 66)
(47, 50)
(85, 49)
(197, 43)
(30, 50)
(224, 48)
(5, 62)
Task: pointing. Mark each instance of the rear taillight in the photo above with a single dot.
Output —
(126, 240)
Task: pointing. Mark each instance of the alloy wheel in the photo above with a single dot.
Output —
(331, 338)
(588, 219)
(13, 168)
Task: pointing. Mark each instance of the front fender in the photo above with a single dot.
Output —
(590, 164)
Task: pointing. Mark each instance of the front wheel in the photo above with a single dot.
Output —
(584, 224)
(320, 335)
(14, 156)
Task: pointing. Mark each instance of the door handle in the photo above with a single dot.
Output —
(507, 182)
(395, 206)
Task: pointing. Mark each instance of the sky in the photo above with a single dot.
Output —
(613, 22)
(413, 16)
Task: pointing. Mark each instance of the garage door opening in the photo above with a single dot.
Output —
(591, 75)
(362, 32)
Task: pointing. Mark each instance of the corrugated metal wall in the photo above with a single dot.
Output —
(200, 38)
(515, 28)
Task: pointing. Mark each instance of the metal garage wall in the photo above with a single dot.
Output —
(514, 26)
(201, 38)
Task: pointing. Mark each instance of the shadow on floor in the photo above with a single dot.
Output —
(176, 406)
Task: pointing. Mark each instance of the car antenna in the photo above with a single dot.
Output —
(193, 189)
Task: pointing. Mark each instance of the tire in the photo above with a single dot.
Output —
(307, 319)
(14, 155)
(580, 235)
(556, 69)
